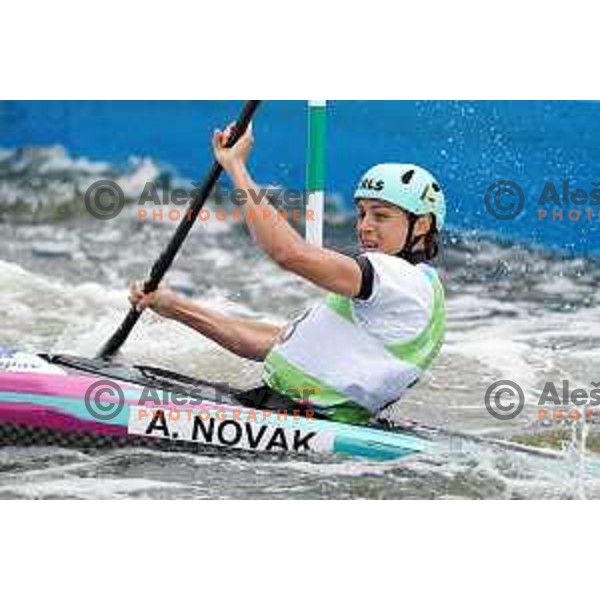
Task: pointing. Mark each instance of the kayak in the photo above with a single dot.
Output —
(92, 403)
(73, 400)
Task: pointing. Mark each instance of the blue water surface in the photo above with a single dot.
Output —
(468, 145)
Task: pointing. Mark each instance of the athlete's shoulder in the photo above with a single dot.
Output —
(396, 271)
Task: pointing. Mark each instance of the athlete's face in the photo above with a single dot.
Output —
(381, 227)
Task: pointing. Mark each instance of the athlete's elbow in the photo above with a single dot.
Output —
(287, 256)
(253, 345)
(252, 351)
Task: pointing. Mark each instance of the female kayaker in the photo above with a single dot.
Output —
(380, 325)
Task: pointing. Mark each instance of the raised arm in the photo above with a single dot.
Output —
(328, 269)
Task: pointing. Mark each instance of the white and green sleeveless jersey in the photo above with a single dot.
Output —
(352, 358)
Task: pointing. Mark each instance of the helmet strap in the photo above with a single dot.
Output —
(409, 253)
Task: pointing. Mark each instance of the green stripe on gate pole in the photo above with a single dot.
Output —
(315, 171)
(315, 168)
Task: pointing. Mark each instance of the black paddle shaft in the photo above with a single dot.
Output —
(166, 258)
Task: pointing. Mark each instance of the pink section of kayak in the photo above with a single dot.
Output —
(75, 386)
(66, 386)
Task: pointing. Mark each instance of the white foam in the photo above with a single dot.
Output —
(86, 488)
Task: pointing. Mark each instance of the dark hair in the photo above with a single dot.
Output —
(430, 241)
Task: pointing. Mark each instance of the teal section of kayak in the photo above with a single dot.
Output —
(74, 407)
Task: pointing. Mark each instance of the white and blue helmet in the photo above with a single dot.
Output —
(410, 187)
